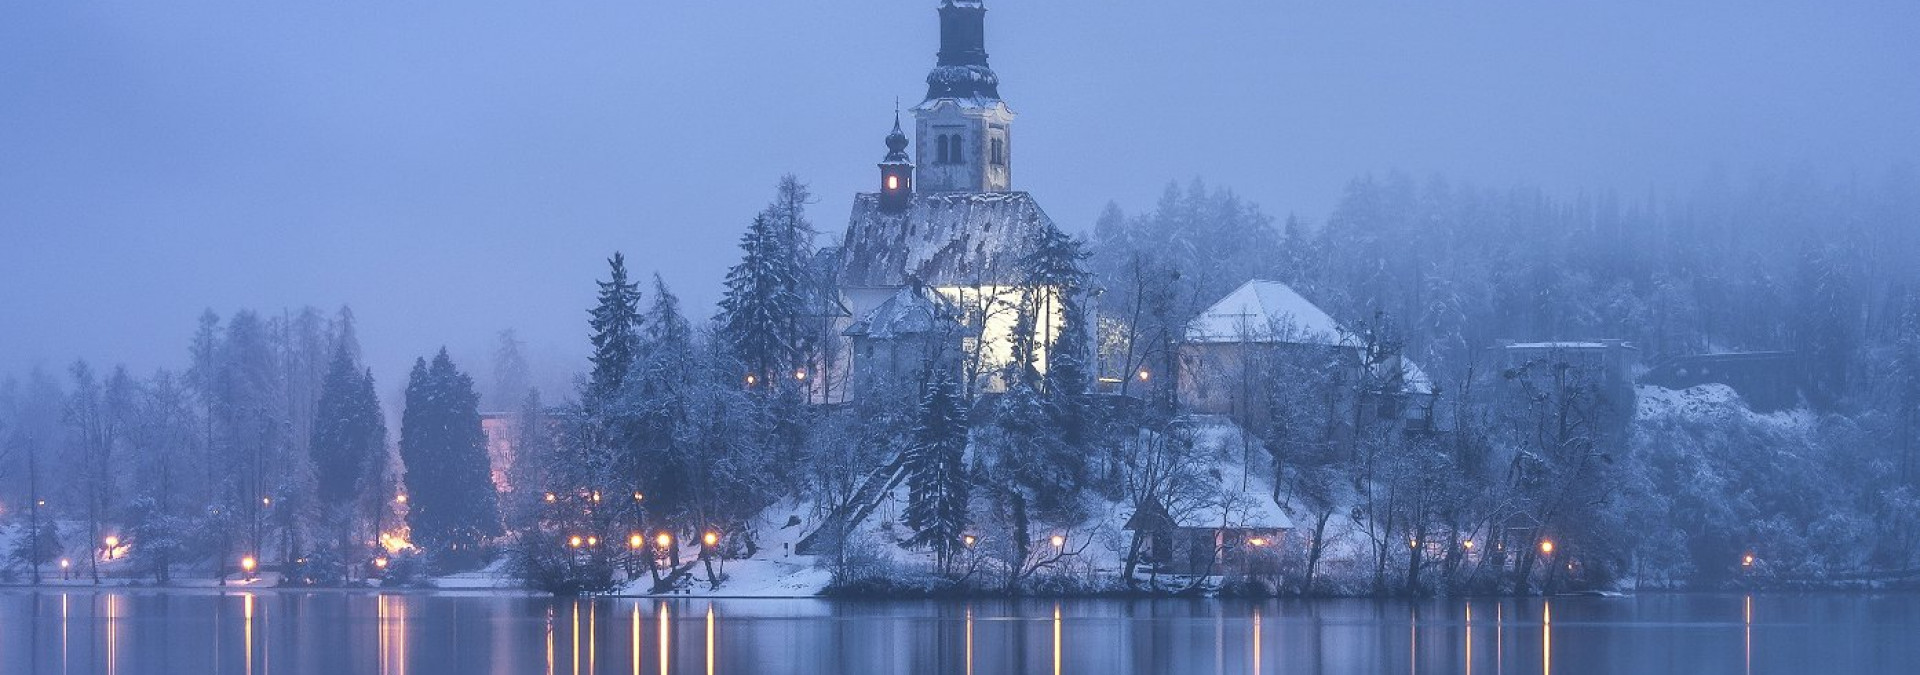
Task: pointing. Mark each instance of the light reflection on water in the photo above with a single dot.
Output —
(266, 632)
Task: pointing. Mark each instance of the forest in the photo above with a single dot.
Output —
(690, 435)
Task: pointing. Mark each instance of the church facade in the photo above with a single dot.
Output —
(930, 269)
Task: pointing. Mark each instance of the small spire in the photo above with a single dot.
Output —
(897, 141)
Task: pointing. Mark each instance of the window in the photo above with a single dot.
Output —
(999, 152)
(893, 183)
(953, 152)
(941, 142)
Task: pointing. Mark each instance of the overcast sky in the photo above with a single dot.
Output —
(452, 168)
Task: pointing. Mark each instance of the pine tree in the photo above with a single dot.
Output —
(937, 481)
(615, 325)
(759, 314)
(451, 505)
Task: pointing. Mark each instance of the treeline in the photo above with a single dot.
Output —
(270, 450)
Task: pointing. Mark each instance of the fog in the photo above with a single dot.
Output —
(453, 169)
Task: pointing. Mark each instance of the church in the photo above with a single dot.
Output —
(929, 271)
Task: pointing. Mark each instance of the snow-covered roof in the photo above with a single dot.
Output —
(1270, 312)
(912, 311)
(1265, 312)
(942, 239)
(1567, 345)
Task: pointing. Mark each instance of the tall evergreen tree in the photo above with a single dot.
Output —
(349, 434)
(758, 315)
(451, 505)
(616, 328)
(937, 480)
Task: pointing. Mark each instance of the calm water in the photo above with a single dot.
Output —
(426, 634)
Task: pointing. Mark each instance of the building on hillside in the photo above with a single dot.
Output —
(947, 219)
(1229, 538)
(1235, 348)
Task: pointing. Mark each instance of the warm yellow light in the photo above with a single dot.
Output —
(1058, 541)
(800, 375)
(248, 563)
(1258, 541)
(637, 496)
(380, 563)
(593, 541)
(636, 541)
(751, 380)
(65, 563)
(596, 495)
(403, 498)
(1546, 546)
(1746, 560)
(551, 498)
(710, 538)
(113, 542)
(1413, 543)
(574, 541)
(893, 182)
(664, 540)
(266, 501)
(1468, 544)
(969, 540)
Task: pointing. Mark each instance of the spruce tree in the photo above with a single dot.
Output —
(758, 315)
(451, 504)
(349, 432)
(615, 325)
(937, 481)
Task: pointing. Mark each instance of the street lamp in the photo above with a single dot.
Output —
(248, 565)
(969, 540)
(1058, 541)
(551, 498)
(663, 540)
(400, 498)
(1546, 546)
(635, 541)
(1746, 560)
(593, 541)
(574, 541)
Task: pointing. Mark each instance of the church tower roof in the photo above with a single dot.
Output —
(897, 141)
(962, 71)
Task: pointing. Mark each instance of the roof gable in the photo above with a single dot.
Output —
(943, 239)
(1265, 312)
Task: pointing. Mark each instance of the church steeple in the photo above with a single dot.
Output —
(896, 171)
(964, 130)
(962, 70)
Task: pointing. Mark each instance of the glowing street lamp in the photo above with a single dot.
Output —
(574, 541)
(1058, 541)
(1546, 546)
(1746, 560)
(1144, 375)
(638, 497)
(65, 563)
(1468, 544)
(380, 563)
(551, 498)
(969, 540)
(402, 499)
(266, 501)
(710, 539)
(635, 541)
(800, 375)
(752, 380)
(663, 540)
(249, 564)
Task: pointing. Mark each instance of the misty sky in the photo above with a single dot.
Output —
(450, 169)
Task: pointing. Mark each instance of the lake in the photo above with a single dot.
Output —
(194, 632)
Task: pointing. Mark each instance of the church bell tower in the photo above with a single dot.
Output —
(896, 171)
(964, 131)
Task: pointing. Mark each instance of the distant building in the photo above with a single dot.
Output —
(1225, 348)
(1767, 381)
(1235, 538)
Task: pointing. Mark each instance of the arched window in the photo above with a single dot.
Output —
(953, 153)
(999, 152)
(941, 142)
